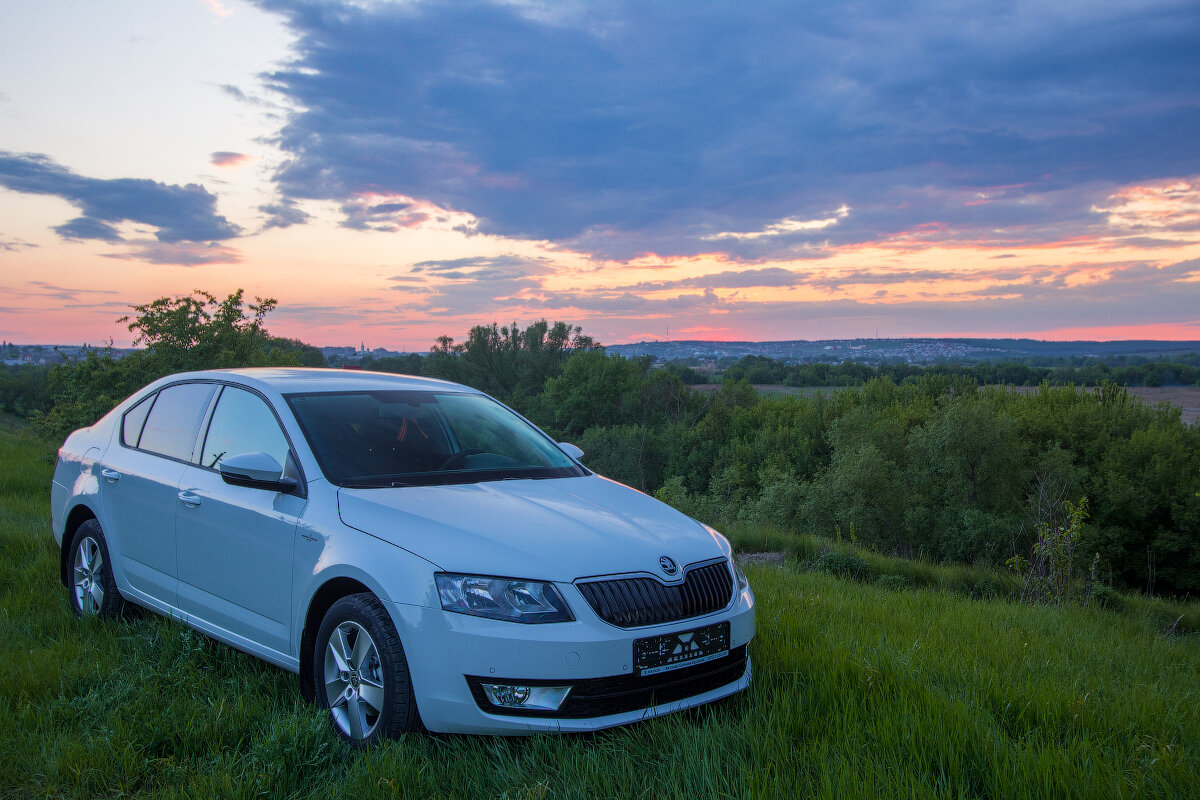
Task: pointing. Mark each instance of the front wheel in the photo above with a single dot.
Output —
(361, 673)
(92, 590)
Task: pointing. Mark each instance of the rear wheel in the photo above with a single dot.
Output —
(92, 590)
(361, 674)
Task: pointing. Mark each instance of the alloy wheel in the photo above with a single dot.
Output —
(353, 680)
(89, 566)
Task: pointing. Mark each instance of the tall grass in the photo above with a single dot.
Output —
(859, 691)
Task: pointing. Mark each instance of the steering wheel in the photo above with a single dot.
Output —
(456, 460)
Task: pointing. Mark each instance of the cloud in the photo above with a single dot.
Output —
(182, 254)
(470, 286)
(283, 214)
(44, 290)
(217, 9)
(785, 226)
(82, 228)
(226, 158)
(647, 126)
(180, 213)
(15, 245)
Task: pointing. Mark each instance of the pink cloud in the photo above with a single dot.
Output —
(226, 158)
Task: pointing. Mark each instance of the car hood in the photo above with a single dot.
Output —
(560, 529)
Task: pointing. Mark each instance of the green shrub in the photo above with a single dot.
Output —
(843, 565)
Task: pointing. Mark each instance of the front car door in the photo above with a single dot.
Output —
(235, 543)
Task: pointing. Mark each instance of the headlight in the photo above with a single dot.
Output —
(741, 576)
(502, 598)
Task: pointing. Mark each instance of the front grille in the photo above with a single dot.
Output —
(617, 694)
(633, 602)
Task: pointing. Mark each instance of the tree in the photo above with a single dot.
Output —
(191, 332)
(197, 331)
(507, 361)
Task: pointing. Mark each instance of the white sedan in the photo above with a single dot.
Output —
(415, 551)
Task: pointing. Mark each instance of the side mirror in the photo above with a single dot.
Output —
(256, 471)
(571, 450)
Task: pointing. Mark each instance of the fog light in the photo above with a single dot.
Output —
(534, 698)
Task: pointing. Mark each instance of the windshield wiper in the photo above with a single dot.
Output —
(376, 484)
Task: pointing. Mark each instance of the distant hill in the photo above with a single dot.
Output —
(917, 351)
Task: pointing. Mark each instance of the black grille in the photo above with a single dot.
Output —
(602, 697)
(633, 602)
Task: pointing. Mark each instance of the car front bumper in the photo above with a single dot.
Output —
(450, 655)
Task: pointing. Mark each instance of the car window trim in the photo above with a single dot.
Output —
(153, 398)
(158, 393)
(206, 425)
(205, 421)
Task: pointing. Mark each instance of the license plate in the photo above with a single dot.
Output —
(678, 650)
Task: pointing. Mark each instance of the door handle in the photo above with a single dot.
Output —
(189, 499)
(110, 475)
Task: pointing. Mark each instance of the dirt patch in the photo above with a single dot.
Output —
(1185, 397)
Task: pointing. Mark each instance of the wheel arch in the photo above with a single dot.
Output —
(322, 600)
(78, 515)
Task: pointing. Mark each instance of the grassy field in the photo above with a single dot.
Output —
(862, 689)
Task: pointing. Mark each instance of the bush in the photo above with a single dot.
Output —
(843, 565)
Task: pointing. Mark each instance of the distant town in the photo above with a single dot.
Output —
(864, 351)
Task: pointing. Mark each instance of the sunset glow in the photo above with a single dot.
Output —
(392, 172)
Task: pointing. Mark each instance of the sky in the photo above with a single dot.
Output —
(391, 172)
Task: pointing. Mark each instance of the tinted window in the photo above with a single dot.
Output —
(171, 427)
(242, 423)
(131, 425)
(392, 438)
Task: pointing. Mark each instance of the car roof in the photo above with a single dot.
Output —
(290, 380)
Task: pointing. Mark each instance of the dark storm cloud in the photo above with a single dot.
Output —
(180, 213)
(647, 126)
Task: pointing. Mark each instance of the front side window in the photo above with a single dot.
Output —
(171, 427)
(398, 438)
(242, 423)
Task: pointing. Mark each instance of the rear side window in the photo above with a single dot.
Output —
(171, 427)
(135, 418)
(242, 423)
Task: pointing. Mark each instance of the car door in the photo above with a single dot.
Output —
(235, 543)
(140, 475)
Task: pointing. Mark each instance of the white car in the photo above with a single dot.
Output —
(415, 551)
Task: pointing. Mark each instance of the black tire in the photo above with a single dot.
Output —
(91, 589)
(363, 682)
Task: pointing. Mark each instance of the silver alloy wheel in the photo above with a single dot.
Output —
(353, 680)
(89, 566)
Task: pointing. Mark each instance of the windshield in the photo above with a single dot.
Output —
(419, 438)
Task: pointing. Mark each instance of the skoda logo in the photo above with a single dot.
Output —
(668, 566)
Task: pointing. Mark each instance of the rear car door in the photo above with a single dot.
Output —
(235, 543)
(139, 476)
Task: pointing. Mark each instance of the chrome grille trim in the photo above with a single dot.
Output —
(634, 602)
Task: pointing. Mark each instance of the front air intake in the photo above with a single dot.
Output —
(634, 602)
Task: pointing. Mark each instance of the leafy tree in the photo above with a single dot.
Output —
(191, 332)
(507, 361)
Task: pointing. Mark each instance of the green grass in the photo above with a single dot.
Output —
(860, 690)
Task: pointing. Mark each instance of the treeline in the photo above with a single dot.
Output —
(1121, 370)
(930, 465)
(196, 331)
(934, 466)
